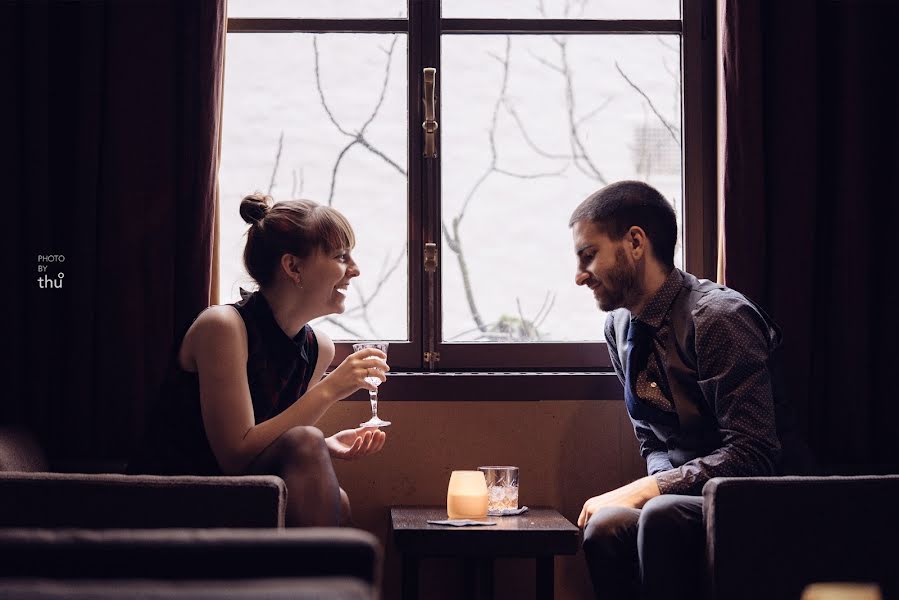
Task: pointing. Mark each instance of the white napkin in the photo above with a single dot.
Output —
(507, 512)
(461, 522)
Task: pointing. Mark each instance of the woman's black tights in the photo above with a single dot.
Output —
(300, 457)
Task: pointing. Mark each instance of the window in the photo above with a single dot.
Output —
(538, 104)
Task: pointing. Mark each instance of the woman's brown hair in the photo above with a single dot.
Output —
(298, 227)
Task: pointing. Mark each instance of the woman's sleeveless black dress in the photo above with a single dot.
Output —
(278, 370)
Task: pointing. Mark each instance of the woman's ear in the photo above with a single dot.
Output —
(291, 266)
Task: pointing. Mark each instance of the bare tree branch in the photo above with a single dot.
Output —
(527, 138)
(297, 190)
(321, 92)
(530, 175)
(546, 63)
(374, 112)
(353, 334)
(593, 112)
(542, 314)
(466, 279)
(671, 128)
(364, 142)
(334, 170)
(578, 151)
(660, 39)
(359, 136)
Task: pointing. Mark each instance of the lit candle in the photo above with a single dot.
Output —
(466, 496)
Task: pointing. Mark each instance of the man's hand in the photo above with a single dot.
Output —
(632, 495)
(356, 443)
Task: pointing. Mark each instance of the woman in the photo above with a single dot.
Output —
(246, 385)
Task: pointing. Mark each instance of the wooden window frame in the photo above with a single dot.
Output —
(494, 371)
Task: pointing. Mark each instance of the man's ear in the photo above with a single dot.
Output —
(637, 242)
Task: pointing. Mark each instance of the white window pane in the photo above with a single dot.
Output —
(273, 113)
(519, 153)
(316, 9)
(562, 9)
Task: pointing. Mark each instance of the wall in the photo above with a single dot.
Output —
(567, 452)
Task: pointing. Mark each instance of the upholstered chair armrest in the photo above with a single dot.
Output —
(769, 537)
(190, 554)
(44, 499)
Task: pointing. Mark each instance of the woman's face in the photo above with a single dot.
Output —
(326, 279)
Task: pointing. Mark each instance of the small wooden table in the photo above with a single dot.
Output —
(539, 533)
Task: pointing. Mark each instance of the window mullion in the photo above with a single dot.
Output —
(424, 31)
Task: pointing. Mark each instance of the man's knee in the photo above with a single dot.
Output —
(609, 529)
(667, 513)
(301, 445)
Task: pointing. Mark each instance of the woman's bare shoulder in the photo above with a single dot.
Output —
(217, 329)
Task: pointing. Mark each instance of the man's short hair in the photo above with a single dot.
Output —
(619, 206)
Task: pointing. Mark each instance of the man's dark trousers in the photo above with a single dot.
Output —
(648, 553)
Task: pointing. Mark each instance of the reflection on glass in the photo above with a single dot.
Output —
(531, 126)
(322, 117)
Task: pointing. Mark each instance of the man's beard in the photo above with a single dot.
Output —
(623, 288)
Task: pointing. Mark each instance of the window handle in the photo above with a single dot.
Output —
(430, 123)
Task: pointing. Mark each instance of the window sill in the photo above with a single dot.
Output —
(498, 386)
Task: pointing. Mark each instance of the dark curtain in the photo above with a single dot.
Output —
(110, 139)
(810, 176)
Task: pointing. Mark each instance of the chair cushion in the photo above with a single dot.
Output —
(312, 588)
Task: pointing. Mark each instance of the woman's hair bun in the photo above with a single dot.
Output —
(254, 207)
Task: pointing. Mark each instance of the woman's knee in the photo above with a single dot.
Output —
(609, 528)
(301, 445)
(346, 516)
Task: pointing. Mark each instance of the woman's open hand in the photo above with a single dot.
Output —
(350, 375)
(356, 443)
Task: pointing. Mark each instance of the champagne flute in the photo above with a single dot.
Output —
(373, 394)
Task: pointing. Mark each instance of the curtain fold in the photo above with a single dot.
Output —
(115, 127)
(809, 192)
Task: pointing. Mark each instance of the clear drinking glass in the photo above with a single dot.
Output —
(374, 421)
(502, 488)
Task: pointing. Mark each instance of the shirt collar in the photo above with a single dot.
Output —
(256, 302)
(658, 306)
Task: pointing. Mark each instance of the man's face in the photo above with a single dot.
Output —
(604, 267)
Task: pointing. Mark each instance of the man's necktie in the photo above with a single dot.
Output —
(638, 345)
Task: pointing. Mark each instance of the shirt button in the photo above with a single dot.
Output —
(653, 384)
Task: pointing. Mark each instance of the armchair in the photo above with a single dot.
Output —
(32, 496)
(769, 537)
(190, 564)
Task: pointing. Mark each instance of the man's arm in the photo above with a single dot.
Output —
(732, 348)
(652, 448)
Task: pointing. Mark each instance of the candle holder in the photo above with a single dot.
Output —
(466, 496)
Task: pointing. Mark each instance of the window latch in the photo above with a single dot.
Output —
(430, 257)
(430, 123)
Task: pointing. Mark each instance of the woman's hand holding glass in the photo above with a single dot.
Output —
(375, 381)
(350, 375)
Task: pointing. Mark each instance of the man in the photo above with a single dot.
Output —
(693, 357)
